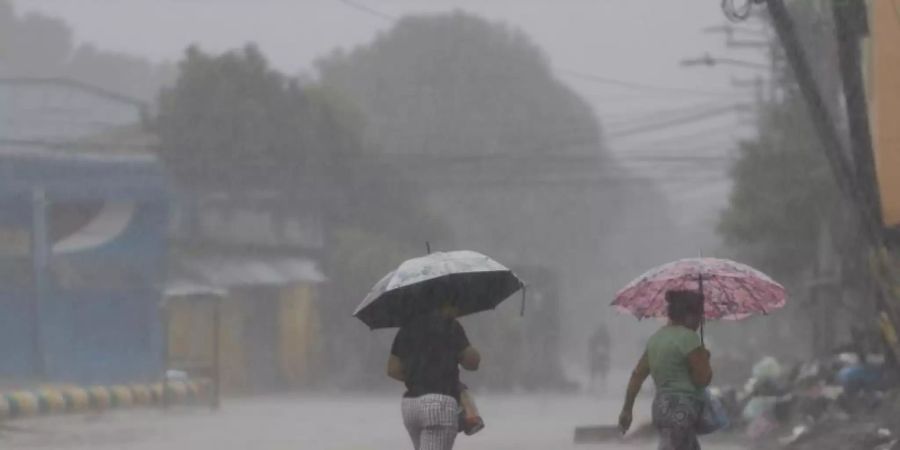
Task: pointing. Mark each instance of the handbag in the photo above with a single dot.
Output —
(713, 416)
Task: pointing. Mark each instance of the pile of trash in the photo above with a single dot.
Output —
(843, 401)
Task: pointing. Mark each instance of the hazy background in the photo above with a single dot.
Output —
(621, 56)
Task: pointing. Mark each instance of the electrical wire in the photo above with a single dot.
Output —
(700, 116)
(656, 114)
(639, 86)
(369, 10)
(564, 71)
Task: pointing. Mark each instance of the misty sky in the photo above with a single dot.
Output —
(636, 41)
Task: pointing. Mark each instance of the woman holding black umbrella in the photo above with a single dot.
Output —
(426, 356)
(423, 297)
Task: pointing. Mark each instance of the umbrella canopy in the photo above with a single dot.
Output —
(472, 281)
(732, 290)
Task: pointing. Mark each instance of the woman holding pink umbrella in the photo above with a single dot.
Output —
(688, 292)
(679, 364)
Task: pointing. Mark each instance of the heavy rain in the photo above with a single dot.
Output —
(436, 224)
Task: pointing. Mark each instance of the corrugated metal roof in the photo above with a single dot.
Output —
(228, 272)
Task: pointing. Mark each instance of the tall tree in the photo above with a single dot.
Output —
(231, 118)
(783, 193)
(456, 84)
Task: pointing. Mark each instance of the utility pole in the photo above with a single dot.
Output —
(852, 179)
(842, 168)
(851, 24)
(40, 255)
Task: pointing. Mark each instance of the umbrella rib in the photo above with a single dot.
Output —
(752, 294)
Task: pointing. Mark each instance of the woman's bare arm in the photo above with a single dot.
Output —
(395, 368)
(470, 358)
(701, 371)
(638, 376)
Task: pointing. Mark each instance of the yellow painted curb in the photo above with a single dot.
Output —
(100, 397)
(141, 395)
(121, 396)
(179, 391)
(67, 399)
(23, 404)
(4, 408)
(157, 391)
(53, 401)
(79, 399)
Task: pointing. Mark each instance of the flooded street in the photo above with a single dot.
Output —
(531, 422)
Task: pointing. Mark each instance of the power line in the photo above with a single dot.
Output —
(716, 112)
(569, 72)
(702, 136)
(716, 148)
(655, 159)
(640, 86)
(369, 10)
(656, 114)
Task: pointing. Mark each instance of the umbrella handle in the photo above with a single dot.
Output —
(702, 311)
(522, 310)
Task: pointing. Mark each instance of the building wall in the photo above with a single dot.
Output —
(97, 316)
(884, 100)
(299, 334)
(269, 337)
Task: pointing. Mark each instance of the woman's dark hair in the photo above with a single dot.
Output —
(682, 304)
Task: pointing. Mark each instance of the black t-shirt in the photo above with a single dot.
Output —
(429, 347)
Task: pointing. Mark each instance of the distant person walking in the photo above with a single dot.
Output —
(679, 364)
(598, 357)
(426, 355)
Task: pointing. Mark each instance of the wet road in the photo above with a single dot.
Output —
(532, 422)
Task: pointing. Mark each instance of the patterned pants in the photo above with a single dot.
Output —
(675, 417)
(432, 421)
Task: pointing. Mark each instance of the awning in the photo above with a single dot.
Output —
(228, 272)
(187, 288)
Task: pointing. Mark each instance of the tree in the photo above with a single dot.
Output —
(231, 119)
(455, 84)
(783, 193)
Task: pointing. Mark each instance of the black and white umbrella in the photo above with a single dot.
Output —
(472, 281)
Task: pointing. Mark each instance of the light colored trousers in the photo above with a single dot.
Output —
(432, 421)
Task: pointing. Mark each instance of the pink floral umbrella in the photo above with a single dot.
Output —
(733, 291)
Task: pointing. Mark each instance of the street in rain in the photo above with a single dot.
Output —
(483, 225)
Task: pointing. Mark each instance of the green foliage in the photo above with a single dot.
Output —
(456, 84)
(783, 193)
(232, 119)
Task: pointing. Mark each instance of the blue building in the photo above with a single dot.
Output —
(82, 238)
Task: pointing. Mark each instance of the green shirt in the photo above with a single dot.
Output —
(667, 352)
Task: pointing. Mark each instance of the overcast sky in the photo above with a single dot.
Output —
(637, 41)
